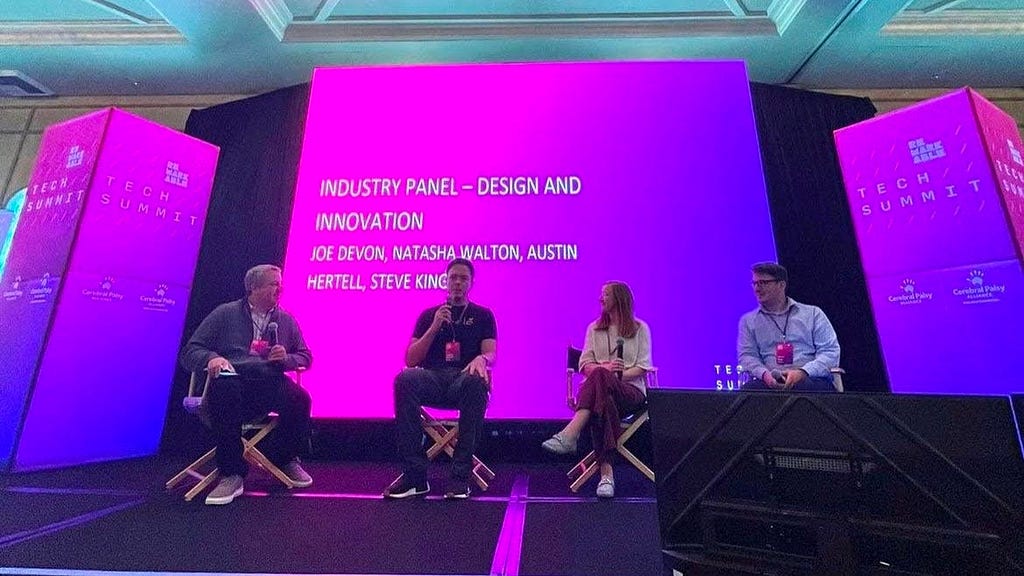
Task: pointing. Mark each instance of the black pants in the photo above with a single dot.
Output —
(807, 385)
(452, 389)
(235, 400)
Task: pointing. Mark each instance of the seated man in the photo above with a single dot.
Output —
(783, 344)
(451, 349)
(246, 346)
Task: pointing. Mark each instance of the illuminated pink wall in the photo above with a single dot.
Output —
(104, 377)
(664, 190)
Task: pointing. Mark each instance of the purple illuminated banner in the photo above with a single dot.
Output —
(38, 258)
(1006, 150)
(942, 265)
(102, 383)
(552, 179)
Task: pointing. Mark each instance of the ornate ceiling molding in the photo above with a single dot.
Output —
(956, 22)
(449, 28)
(84, 33)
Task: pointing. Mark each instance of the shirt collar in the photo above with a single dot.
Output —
(790, 304)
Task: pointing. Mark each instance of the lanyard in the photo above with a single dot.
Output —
(459, 321)
(785, 327)
(259, 329)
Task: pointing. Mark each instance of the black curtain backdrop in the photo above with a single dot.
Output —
(250, 208)
(814, 233)
(260, 139)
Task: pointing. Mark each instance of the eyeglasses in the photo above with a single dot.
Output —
(763, 283)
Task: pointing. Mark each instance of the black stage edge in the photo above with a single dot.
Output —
(116, 517)
(843, 484)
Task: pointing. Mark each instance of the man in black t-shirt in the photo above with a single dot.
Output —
(452, 348)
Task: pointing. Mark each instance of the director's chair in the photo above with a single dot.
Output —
(631, 424)
(252, 433)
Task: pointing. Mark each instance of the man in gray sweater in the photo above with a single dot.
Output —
(246, 346)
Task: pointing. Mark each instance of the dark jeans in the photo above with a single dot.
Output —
(806, 385)
(415, 387)
(235, 400)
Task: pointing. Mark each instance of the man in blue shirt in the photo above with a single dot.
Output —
(783, 344)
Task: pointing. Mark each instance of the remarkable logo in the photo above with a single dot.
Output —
(923, 151)
(176, 176)
(75, 157)
(1015, 153)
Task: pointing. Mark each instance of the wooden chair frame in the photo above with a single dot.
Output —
(444, 432)
(588, 466)
(252, 433)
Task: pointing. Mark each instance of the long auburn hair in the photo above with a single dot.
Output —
(622, 303)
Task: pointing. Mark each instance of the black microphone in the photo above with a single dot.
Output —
(449, 302)
(619, 345)
(272, 334)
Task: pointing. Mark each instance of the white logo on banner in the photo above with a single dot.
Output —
(43, 292)
(908, 294)
(926, 151)
(1014, 153)
(175, 176)
(75, 156)
(106, 292)
(158, 303)
(978, 291)
(15, 292)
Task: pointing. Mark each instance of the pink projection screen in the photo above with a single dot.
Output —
(552, 179)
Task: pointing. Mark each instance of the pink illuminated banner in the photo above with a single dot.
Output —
(108, 347)
(935, 192)
(552, 179)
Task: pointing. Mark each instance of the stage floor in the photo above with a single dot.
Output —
(117, 518)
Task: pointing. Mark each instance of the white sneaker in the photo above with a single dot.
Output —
(559, 444)
(225, 491)
(606, 488)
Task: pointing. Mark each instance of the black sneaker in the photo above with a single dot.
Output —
(457, 490)
(403, 488)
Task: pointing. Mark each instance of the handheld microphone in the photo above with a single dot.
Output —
(272, 334)
(619, 345)
(778, 377)
(449, 302)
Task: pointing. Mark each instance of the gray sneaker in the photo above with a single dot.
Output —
(293, 470)
(225, 491)
(606, 488)
(559, 444)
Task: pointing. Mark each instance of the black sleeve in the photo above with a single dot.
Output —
(423, 323)
(490, 328)
(201, 347)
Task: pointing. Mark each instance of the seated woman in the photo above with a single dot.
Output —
(615, 384)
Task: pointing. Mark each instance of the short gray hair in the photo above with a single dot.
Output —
(254, 277)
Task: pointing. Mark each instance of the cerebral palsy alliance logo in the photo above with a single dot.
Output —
(978, 291)
(908, 294)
